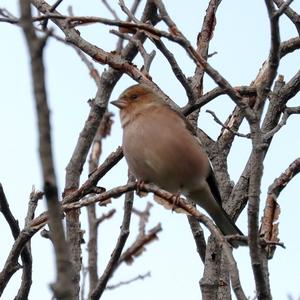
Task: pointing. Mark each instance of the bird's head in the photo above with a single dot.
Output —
(135, 100)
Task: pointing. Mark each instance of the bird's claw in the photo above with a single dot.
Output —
(175, 199)
(140, 187)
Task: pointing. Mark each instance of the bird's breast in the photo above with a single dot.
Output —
(161, 150)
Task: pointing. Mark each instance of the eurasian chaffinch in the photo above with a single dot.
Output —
(159, 147)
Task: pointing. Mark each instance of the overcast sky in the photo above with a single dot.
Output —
(242, 41)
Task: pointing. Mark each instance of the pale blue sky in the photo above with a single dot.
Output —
(242, 41)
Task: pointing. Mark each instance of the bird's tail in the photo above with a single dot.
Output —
(226, 224)
(206, 200)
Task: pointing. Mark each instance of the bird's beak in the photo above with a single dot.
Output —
(120, 103)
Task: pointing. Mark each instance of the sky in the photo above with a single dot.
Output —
(242, 41)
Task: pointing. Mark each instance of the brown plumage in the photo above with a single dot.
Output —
(159, 147)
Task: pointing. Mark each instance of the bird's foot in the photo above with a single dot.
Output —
(139, 187)
(175, 198)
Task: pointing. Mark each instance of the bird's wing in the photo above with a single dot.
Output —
(211, 179)
(187, 124)
(213, 185)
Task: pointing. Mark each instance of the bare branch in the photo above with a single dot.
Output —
(11, 265)
(290, 13)
(273, 59)
(269, 226)
(283, 8)
(113, 262)
(133, 10)
(117, 63)
(216, 92)
(63, 288)
(138, 246)
(291, 88)
(106, 216)
(9, 217)
(176, 69)
(128, 12)
(26, 281)
(93, 222)
(289, 46)
(112, 11)
(139, 277)
(148, 58)
(286, 113)
(94, 177)
(38, 222)
(144, 217)
(53, 8)
(203, 41)
(8, 271)
(258, 259)
(247, 136)
(198, 235)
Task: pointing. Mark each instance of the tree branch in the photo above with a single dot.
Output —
(113, 262)
(63, 288)
(269, 227)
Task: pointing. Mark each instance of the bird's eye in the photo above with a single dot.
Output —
(134, 96)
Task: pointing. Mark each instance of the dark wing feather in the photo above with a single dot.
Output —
(213, 185)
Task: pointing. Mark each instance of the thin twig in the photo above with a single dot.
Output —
(274, 54)
(128, 12)
(113, 262)
(11, 264)
(93, 222)
(154, 33)
(248, 135)
(176, 69)
(26, 280)
(138, 246)
(8, 17)
(110, 9)
(283, 8)
(288, 111)
(214, 93)
(148, 58)
(144, 217)
(94, 177)
(53, 8)
(106, 216)
(291, 14)
(119, 284)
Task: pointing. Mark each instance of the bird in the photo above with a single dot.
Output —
(160, 147)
